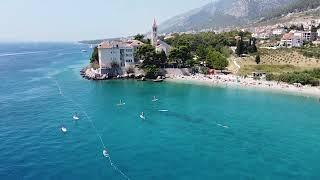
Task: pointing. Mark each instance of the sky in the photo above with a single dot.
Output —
(73, 20)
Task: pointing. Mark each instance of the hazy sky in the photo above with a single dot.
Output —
(71, 20)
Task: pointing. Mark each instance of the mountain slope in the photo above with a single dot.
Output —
(222, 13)
(293, 7)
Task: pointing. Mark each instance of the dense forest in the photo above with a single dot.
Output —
(204, 50)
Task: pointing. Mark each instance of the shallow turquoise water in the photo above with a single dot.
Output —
(269, 136)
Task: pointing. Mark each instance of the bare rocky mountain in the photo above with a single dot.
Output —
(222, 13)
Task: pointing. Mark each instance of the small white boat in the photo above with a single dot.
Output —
(105, 153)
(163, 110)
(64, 129)
(83, 50)
(158, 80)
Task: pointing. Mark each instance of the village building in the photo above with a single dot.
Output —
(262, 33)
(116, 53)
(278, 31)
(309, 35)
(156, 42)
(291, 40)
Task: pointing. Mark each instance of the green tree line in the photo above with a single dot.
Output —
(308, 77)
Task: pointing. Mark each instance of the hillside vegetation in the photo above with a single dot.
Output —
(295, 6)
(278, 61)
(222, 13)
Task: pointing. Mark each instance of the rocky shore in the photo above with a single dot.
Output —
(90, 73)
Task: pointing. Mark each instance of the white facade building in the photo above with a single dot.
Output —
(291, 40)
(115, 53)
(306, 35)
(278, 31)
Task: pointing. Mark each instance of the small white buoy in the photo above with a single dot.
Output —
(105, 153)
(64, 129)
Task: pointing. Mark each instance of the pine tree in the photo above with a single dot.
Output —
(240, 47)
(258, 59)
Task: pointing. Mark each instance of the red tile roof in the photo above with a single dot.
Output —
(120, 44)
(287, 36)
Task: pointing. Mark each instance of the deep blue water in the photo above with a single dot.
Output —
(270, 136)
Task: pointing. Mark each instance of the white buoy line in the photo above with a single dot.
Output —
(75, 117)
(105, 151)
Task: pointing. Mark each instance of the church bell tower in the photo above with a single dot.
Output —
(154, 33)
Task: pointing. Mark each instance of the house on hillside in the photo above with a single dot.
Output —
(309, 35)
(116, 53)
(291, 40)
(278, 31)
(262, 33)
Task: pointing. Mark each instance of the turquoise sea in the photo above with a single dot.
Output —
(207, 133)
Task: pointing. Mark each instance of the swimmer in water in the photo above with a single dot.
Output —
(75, 116)
(105, 153)
(121, 103)
(154, 99)
(142, 115)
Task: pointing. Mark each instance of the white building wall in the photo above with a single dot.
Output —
(294, 42)
(123, 56)
(297, 42)
(278, 31)
(107, 56)
(128, 57)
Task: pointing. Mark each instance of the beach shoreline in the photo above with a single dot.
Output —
(236, 82)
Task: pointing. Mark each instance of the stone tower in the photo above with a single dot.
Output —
(154, 37)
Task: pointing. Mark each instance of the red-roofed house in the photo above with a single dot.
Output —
(291, 40)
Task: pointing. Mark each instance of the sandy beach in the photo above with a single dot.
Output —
(233, 81)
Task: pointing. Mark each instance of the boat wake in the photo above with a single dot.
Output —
(23, 53)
